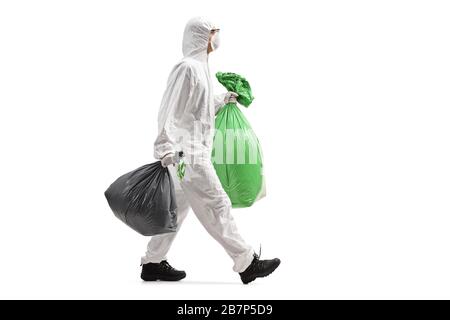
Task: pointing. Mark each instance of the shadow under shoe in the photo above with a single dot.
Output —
(162, 271)
(259, 269)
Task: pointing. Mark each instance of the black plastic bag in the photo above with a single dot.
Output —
(144, 199)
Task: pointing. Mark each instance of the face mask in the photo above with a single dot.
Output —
(215, 41)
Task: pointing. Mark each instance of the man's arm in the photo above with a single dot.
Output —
(219, 101)
(176, 97)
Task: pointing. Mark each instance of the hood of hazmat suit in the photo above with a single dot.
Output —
(188, 107)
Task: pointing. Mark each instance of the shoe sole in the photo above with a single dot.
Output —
(264, 274)
(162, 278)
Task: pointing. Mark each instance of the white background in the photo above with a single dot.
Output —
(352, 110)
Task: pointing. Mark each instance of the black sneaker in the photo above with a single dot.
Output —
(161, 271)
(259, 269)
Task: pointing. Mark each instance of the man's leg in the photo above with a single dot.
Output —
(159, 245)
(212, 207)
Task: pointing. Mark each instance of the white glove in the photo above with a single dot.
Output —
(172, 158)
(168, 160)
(230, 97)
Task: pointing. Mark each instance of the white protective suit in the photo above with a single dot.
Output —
(186, 122)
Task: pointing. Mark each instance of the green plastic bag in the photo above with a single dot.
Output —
(237, 155)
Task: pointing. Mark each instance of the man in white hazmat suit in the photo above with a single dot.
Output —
(186, 123)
